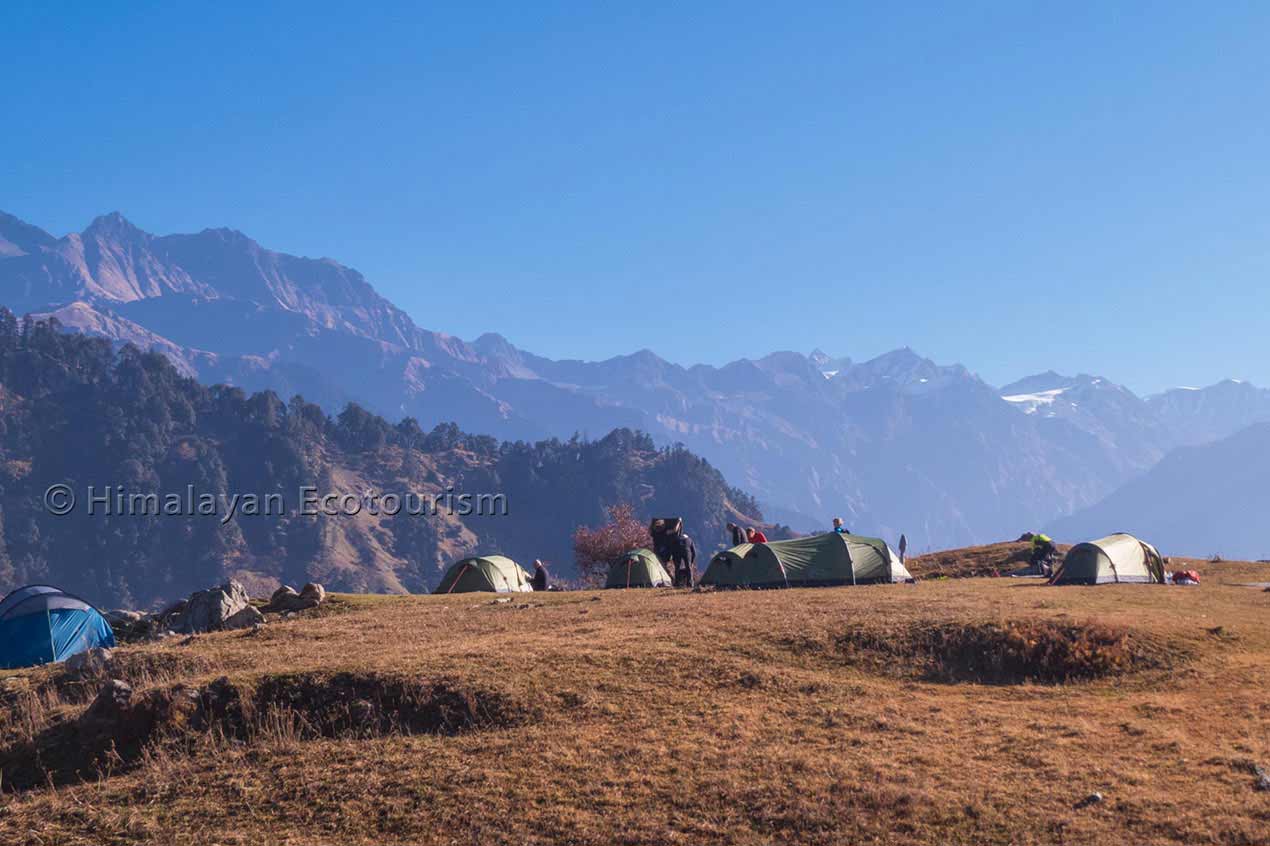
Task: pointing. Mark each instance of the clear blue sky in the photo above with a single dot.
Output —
(1013, 186)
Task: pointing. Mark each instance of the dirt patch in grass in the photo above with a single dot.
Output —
(358, 704)
(1008, 652)
(121, 726)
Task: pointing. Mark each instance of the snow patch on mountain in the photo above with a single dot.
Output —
(1029, 403)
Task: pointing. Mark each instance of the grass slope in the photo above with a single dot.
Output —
(805, 716)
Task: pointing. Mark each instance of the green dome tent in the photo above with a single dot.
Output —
(492, 573)
(638, 568)
(1115, 558)
(727, 570)
(819, 560)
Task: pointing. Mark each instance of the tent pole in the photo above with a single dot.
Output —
(456, 578)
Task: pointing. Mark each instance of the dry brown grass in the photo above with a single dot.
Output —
(676, 717)
(996, 559)
(1009, 651)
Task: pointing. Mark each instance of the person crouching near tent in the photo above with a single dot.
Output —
(1043, 553)
(754, 535)
(738, 534)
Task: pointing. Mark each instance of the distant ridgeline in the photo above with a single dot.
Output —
(162, 463)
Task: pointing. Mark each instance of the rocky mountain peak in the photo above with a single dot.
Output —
(114, 225)
(18, 238)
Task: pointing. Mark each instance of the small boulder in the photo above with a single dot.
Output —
(245, 619)
(111, 703)
(1092, 799)
(89, 664)
(207, 610)
(286, 599)
(313, 595)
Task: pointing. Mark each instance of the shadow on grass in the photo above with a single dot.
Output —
(119, 728)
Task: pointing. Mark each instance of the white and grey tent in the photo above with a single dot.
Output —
(1115, 558)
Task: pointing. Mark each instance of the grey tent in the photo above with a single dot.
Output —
(638, 568)
(819, 560)
(1115, 558)
(492, 573)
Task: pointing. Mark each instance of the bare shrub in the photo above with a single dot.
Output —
(597, 548)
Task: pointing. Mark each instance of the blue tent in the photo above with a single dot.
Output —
(41, 624)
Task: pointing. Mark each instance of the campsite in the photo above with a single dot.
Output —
(986, 710)
(607, 424)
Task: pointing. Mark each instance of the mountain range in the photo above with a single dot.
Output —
(893, 444)
(194, 485)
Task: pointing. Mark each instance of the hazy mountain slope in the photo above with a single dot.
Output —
(18, 238)
(894, 444)
(1201, 415)
(1197, 501)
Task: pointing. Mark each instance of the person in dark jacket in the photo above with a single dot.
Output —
(683, 556)
(539, 580)
(738, 534)
(662, 541)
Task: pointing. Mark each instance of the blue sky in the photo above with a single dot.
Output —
(1013, 186)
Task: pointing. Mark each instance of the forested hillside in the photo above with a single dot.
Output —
(894, 444)
(74, 412)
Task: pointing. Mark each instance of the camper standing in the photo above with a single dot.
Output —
(661, 540)
(683, 555)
